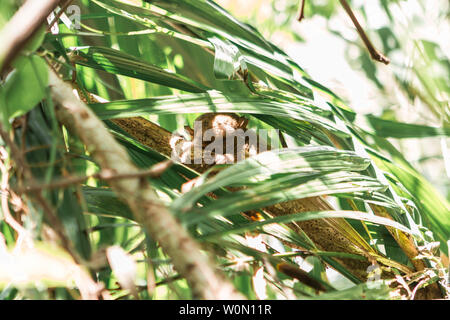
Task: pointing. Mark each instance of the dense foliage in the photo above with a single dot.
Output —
(169, 61)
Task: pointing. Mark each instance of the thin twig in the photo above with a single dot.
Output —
(282, 139)
(59, 14)
(301, 14)
(374, 53)
(56, 224)
(417, 287)
(21, 28)
(153, 172)
(404, 285)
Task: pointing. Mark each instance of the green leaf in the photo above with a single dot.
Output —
(277, 190)
(116, 62)
(72, 218)
(24, 87)
(270, 165)
(378, 290)
(35, 42)
(104, 201)
(206, 17)
(395, 129)
(305, 216)
(227, 59)
(435, 209)
(301, 114)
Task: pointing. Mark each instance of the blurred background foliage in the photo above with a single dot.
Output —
(414, 87)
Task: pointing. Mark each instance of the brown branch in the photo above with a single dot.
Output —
(56, 224)
(301, 275)
(204, 279)
(374, 53)
(21, 28)
(153, 172)
(301, 14)
(282, 139)
(59, 14)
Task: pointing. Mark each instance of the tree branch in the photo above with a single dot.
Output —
(301, 14)
(374, 53)
(21, 28)
(205, 281)
(153, 172)
(59, 14)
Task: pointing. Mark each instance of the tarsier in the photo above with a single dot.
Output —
(217, 138)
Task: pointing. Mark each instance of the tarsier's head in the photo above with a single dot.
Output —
(222, 123)
(221, 137)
